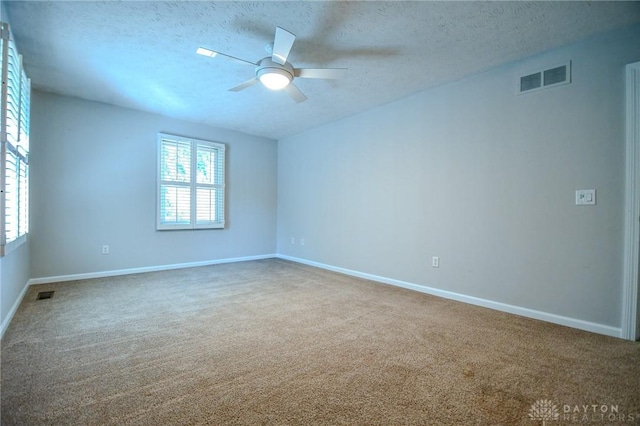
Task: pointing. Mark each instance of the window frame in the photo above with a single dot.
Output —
(14, 143)
(218, 185)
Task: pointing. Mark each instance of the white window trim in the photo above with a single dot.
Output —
(8, 248)
(192, 184)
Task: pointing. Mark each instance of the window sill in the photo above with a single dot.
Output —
(8, 248)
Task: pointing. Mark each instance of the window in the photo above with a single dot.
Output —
(14, 135)
(190, 183)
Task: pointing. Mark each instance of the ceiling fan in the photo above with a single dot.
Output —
(274, 72)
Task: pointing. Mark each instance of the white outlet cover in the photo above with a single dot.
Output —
(586, 197)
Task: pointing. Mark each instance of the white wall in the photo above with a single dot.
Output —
(14, 267)
(93, 180)
(14, 276)
(481, 177)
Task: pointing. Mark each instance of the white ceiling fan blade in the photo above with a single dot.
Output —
(295, 93)
(282, 45)
(326, 73)
(244, 85)
(212, 54)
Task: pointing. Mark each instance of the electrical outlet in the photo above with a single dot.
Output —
(586, 197)
(105, 249)
(435, 261)
(293, 240)
(301, 241)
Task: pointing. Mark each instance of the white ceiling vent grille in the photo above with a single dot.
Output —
(551, 77)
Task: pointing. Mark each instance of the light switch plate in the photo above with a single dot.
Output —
(586, 197)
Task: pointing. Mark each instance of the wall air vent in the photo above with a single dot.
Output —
(551, 77)
(530, 82)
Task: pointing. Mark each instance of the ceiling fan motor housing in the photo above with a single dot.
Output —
(268, 66)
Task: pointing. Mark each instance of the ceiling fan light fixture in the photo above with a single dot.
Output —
(274, 78)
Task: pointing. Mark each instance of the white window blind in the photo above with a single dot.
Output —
(190, 183)
(14, 134)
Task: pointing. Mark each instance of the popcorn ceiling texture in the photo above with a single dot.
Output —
(141, 55)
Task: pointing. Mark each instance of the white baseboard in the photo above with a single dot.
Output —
(12, 311)
(114, 273)
(498, 306)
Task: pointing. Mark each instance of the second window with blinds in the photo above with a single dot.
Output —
(190, 183)
(15, 99)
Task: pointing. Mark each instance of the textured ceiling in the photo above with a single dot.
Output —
(141, 54)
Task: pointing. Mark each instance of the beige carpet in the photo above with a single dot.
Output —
(274, 342)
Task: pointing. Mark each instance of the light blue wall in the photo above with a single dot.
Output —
(93, 183)
(481, 177)
(14, 277)
(14, 267)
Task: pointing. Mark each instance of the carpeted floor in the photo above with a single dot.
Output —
(274, 342)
